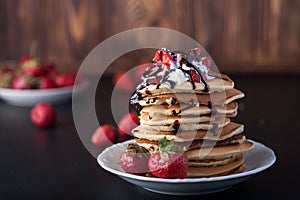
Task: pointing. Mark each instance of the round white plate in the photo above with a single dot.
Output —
(55, 96)
(257, 160)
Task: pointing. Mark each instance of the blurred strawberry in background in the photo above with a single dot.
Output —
(43, 115)
(128, 122)
(128, 80)
(123, 81)
(104, 135)
(31, 73)
(65, 79)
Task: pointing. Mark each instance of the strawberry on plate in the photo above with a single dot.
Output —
(134, 159)
(168, 162)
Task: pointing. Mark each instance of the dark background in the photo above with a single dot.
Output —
(257, 36)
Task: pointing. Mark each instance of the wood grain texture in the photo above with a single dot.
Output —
(249, 36)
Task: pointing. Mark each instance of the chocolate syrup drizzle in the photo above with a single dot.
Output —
(176, 127)
(191, 104)
(206, 87)
(137, 96)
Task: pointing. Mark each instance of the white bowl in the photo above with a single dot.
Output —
(257, 160)
(55, 96)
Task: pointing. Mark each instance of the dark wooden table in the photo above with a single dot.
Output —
(54, 164)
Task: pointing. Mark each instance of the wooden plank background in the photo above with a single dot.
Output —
(243, 36)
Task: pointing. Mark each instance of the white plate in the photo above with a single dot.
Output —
(55, 96)
(257, 160)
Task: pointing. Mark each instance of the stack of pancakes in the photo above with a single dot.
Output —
(198, 120)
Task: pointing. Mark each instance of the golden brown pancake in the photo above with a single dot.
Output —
(218, 123)
(215, 85)
(211, 163)
(217, 98)
(219, 152)
(218, 134)
(152, 145)
(213, 171)
(162, 120)
(189, 110)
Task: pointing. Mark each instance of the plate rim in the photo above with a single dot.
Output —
(186, 180)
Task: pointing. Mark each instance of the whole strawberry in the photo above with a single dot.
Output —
(128, 122)
(65, 79)
(123, 81)
(46, 83)
(43, 115)
(31, 66)
(134, 159)
(24, 82)
(168, 162)
(104, 135)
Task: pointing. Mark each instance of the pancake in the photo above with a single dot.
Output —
(181, 99)
(213, 171)
(200, 173)
(218, 123)
(217, 98)
(152, 145)
(211, 163)
(189, 109)
(218, 134)
(215, 85)
(219, 152)
(161, 120)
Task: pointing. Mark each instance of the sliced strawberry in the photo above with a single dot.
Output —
(157, 57)
(195, 76)
(206, 61)
(134, 159)
(164, 57)
(194, 54)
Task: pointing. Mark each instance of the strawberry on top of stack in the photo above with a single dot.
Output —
(31, 73)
